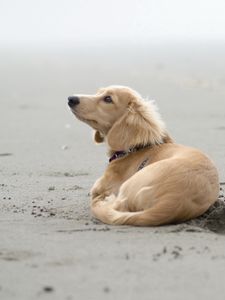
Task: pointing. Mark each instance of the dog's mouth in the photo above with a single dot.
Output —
(90, 122)
(77, 115)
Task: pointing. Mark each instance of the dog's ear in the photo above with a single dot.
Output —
(140, 125)
(98, 138)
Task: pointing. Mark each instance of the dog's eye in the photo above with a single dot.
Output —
(108, 99)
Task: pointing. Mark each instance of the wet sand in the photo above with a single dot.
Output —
(50, 246)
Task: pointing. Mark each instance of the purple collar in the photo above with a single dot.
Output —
(117, 154)
(121, 153)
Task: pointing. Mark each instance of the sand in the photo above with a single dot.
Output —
(50, 246)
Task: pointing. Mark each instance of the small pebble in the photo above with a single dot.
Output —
(64, 147)
(178, 248)
(127, 256)
(6, 154)
(106, 289)
(175, 254)
(51, 188)
(48, 289)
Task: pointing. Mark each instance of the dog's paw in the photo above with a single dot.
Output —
(111, 198)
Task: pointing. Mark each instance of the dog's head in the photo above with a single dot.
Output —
(119, 115)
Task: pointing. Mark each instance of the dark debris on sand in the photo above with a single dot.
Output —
(214, 218)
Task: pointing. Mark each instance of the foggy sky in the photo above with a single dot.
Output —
(75, 21)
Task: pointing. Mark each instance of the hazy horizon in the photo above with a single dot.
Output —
(28, 22)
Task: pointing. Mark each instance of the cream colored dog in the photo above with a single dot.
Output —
(150, 180)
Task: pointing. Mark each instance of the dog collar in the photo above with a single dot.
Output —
(122, 153)
(118, 154)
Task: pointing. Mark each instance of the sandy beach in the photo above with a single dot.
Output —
(50, 246)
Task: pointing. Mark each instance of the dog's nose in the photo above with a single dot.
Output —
(73, 100)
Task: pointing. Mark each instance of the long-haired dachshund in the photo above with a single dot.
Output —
(150, 180)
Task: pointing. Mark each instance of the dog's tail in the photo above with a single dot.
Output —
(159, 214)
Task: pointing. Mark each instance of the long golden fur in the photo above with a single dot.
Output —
(177, 183)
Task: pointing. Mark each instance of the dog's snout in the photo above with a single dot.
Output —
(73, 100)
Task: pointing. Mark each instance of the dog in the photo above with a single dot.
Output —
(150, 180)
